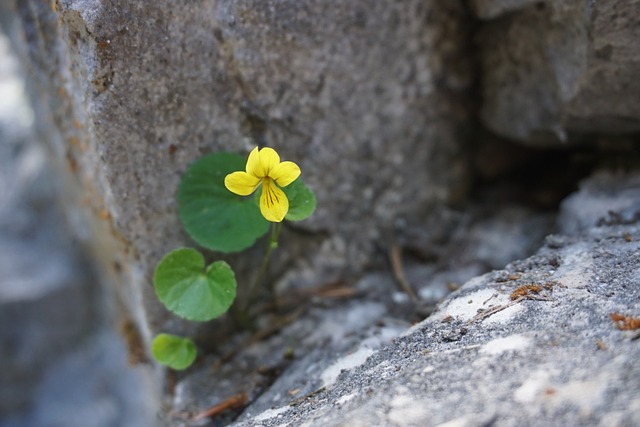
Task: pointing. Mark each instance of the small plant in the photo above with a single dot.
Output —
(217, 212)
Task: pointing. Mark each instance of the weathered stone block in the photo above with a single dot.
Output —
(554, 70)
(45, 297)
(61, 357)
(370, 100)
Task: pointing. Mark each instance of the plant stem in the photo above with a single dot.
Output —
(276, 227)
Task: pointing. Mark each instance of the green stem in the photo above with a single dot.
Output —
(276, 227)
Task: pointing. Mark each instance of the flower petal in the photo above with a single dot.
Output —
(268, 160)
(253, 164)
(241, 183)
(285, 173)
(274, 204)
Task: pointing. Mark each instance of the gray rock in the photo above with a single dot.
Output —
(556, 71)
(92, 386)
(309, 353)
(490, 9)
(604, 198)
(124, 396)
(370, 99)
(321, 336)
(45, 303)
(554, 357)
(61, 366)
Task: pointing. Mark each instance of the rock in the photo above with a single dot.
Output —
(604, 198)
(534, 344)
(61, 364)
(338, 327)
(370, 100)
(554, 72)
(309, 352)
(92, 385)
(45, 302)
(490, 9)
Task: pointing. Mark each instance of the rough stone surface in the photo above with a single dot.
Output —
(490, 9)
(370, 99)
(607, 197)
(91, 385)
(62, 366)
(339, 326)
(484, 358)
(304, 356)
(41, 272)
(553, 72)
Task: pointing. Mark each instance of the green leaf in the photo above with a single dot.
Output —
(212, 215)
(302, 201)
(172, 351)
(191, 292)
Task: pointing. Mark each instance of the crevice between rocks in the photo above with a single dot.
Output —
(511, 208)
(513, 205)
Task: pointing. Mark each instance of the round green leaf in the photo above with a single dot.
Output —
(302, 201)
(172, 351)
(191, 292)
(212, 215)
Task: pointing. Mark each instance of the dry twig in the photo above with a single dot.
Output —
(395, 255)
(234, 402)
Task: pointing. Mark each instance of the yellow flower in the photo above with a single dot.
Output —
(264, 167)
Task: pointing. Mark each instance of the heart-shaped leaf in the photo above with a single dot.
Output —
(184, 286)
(173, 351)
(212, 215)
